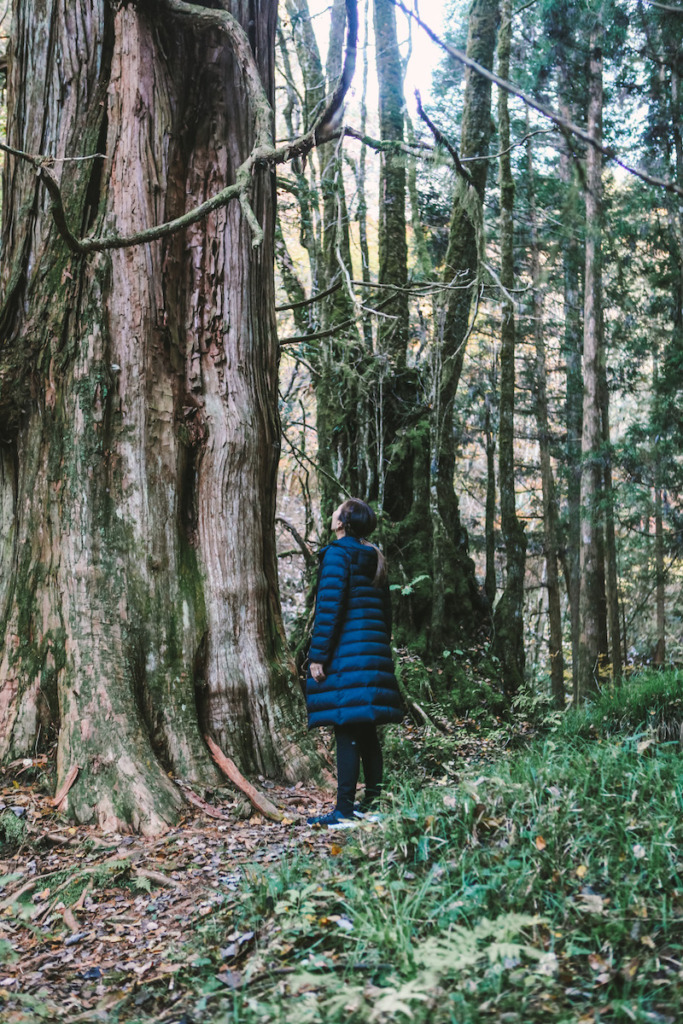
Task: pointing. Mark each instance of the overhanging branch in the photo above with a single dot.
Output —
(264, 151)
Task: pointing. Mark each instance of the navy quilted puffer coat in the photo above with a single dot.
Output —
(351, 639)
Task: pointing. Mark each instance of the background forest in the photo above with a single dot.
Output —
(477, 273)
(421, 362)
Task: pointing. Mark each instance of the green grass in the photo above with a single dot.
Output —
(545, 887)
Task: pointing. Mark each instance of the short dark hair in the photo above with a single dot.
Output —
(359, 520)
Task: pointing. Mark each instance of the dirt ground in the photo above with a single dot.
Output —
(87, 917)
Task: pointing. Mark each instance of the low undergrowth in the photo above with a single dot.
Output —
(547, 885)
(543, 884)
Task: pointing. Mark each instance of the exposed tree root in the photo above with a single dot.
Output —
(230, 769)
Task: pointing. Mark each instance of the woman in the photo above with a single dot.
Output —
(351, 683)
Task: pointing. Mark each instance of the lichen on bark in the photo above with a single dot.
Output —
(138, 591)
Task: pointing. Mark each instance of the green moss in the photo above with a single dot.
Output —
(12, 831)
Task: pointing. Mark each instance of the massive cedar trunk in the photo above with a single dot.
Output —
(138, 585)
(457, 599)
(508, 618)
(591, 598)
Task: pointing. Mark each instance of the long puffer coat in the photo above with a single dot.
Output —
(351, 639)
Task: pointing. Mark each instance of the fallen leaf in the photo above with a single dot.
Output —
(581, 871)
(230, 978)
(540, 843)
(629, 970)
(592, 902)
(70, 920)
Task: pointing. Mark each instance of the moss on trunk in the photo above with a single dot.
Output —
(138, 594)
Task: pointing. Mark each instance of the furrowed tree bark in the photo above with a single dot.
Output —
(591, 598)
(138, 392)
(457, 600)
(550, 512)
(508, 620)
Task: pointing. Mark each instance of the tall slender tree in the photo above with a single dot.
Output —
(591, 600)
(550, 512)
(456, 595)
(508, 618)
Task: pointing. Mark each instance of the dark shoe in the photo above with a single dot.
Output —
(333, 820)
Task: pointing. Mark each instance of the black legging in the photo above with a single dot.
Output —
(356, 743)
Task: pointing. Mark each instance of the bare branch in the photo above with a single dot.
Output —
(665, 7)
(607, 151)
(427, 152)
(298, 454)
(442, 140)
(298, 539)
(307, 302)
(351, 322)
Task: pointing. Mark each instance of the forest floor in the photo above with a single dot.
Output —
(92, 922)
(533, 884)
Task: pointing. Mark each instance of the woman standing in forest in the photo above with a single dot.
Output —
(351, 683)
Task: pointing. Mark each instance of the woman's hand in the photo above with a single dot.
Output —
(317, 671)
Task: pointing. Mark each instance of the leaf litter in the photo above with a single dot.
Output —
(87, 916)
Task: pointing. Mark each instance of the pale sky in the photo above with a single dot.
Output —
(425, 55)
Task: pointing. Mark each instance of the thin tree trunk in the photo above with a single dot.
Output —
(490, 531)
(660, 595)
(392, 333)
(550, 514)
(362, 207)
(611, 567)
(342, 407)
(573, 350)
(456, 597)
(508, 620)
(660, 647)
(144, 588)
(591, 600)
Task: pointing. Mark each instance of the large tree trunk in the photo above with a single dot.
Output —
(591, 600)
(140, 388)
(508, 620)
